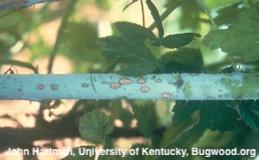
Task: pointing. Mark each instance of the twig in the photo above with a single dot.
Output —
(143, 13)
(207, 11)
(19, 63)
(62, 27)
(167, 12)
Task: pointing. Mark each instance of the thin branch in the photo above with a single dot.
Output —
(143, 13)
(61, 30)
(207, 11)
(19, 63)
(236, 86)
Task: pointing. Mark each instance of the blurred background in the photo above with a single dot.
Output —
(70, 30)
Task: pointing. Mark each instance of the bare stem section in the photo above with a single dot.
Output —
(236, 86)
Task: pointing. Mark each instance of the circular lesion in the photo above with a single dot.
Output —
(40, 86)
(54, 87)
(84, 85)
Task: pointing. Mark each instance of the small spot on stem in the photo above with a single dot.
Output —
(141, 81)
(166, 95)
(144, 89)
(115, 85)
(125, 80)
(158, 80)
(40, 86)
(54, 87)
(84, 85)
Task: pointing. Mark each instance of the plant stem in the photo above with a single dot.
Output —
(236, 86)
(207, 11)
(19, 63)
(143, 13)
(61, 29)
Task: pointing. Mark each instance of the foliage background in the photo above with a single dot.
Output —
(30, 35)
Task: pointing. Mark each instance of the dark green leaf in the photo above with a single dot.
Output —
(133, 32)
(249, 111)
(135, 58)
(147, 118)
(156, 17)
(187, 138)
(187, 60)
(95, 126)
(79, 154)
(179, 40)
(217, 115)
(183, 110)
(228, 14)
(241, 38)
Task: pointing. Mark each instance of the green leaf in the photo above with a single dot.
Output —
(156, 17)
(187, 60)
(77, 155)
(134, 58)
(217, 115)
(228, 14)
(95, 126)
(249, 111)
(179, 40)
(133, 32)
(183, 110)
(241, 38)
(147, 118)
